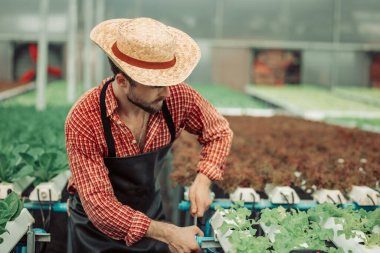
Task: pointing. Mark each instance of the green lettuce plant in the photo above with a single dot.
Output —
(298, 228)
(33, 139)
(10, 209)
(12, 166)
(243, 237)
(351, 220)
(45, 165)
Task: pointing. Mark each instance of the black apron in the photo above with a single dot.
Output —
(135, 181)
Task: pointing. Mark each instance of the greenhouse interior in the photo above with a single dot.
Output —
(190, 126)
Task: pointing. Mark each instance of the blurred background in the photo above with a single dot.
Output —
(325, 43)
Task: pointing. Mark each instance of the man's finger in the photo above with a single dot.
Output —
(193, 204)
(202, 208)
(200, 211)
(172, 249)
(209, 202)
(198, 231)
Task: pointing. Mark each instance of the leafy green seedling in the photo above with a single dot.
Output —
(12, 167)
(10, 209)
(45, 165)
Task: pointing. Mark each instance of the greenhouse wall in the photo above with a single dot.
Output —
(6, 54)
(309, 25)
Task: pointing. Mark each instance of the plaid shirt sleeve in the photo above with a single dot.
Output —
(91, 180)
(214, 134)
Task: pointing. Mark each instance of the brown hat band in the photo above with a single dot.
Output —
(142, 64)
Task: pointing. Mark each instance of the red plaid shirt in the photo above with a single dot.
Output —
(86, 147)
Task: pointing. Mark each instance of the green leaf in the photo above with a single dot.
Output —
(3, 230)
(21, 148)
(3, 221)
(36, 152)
(13, 205)
(3, 206)
(28, 159)
(373, 240)
(47, 160)
(26, 170)
(4, 212)
(224, 228)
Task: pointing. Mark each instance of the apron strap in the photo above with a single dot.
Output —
(107, 124)
(169, 121)
(106, 121)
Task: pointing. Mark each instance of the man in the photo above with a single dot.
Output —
(118, 134)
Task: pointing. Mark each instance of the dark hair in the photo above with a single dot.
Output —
(116, 70)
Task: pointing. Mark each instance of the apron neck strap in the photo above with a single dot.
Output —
(107, 123)
(169, 121)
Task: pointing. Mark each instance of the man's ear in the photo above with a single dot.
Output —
(121, 80)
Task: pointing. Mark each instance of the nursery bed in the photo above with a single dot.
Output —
(270, 150)
(313, 102)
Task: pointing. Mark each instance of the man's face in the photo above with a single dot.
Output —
(148, 98)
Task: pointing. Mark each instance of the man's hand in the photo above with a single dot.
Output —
(179, 239)
(199, 195)
(183, 239)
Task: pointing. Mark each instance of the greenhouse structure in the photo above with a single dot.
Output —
(190, 126)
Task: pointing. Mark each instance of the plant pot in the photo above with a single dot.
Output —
(18, 187)
(352, 244)
(329, 196)
(281, 194)
(216, 222)
(245, 194)
(52, 190)
(364, 196)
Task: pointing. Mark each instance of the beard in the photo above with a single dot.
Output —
(153, 107)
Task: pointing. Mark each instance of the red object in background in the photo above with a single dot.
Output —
(276, 67)
(33, 52)
(375, 71)
(54, 71)
(30, 74)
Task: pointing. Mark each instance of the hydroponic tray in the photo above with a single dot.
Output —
(17, 229)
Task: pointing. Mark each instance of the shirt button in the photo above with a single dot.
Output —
(134, 141)
(118, 122)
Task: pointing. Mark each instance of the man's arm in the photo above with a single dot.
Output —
(215, 136)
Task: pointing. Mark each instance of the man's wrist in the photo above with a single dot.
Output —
(160, 231)
(204, 179)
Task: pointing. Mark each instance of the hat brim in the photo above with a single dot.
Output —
(187, 55)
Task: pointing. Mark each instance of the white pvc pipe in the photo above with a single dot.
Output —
(100, 56)
(219, 19)
(42, 56)
(334, 79)
(72, 20)
(88, 10)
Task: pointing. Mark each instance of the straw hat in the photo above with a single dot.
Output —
(150, 52)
